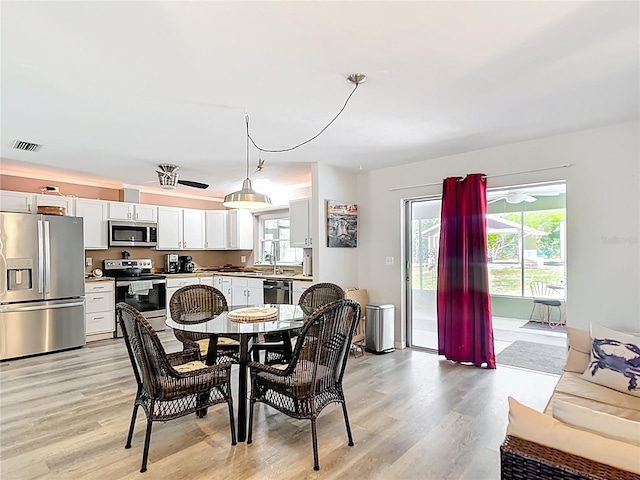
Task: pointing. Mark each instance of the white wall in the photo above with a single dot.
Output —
(335, 265)
(603, 217)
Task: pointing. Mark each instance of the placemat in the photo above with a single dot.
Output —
(253, 314)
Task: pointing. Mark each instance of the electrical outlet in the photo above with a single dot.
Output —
(389, 261)
(88, 261)
(243, 259)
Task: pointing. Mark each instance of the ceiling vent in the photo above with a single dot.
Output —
(29, 147)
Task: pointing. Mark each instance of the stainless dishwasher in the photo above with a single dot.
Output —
(277, 291)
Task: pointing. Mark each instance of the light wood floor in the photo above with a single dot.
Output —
(414, 415)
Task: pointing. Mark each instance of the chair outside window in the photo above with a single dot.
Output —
(312, 298)
(169, 385)
(313, 378)
(544, 300)
(197, 304)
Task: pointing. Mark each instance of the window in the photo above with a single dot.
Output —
(274, 239)
(526, 238)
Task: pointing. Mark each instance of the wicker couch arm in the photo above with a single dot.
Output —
(524, 460)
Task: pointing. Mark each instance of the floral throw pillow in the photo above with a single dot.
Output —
(615, 360)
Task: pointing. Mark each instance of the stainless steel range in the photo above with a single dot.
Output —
(138, 287)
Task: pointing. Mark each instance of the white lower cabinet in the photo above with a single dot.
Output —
(175, 284)
(207, 281)
(247, 291)
(224, 285)
(298, 288)
(100, 309)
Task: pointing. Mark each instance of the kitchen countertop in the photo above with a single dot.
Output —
(262, 275)
(98, 279)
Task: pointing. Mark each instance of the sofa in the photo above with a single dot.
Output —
(587, 430)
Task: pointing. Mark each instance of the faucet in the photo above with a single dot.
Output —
(273, 256)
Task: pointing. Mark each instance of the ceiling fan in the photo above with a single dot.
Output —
(168, 178)
(515, 197)
(518, 196)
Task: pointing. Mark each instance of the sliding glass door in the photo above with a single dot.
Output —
(423, 235)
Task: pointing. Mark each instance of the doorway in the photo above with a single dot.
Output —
(527, 243)
(423, 236)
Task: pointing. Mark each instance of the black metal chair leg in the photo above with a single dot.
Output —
(346, 422)
(232, 422)
(314, 438)
(133, 424)
(147, 440)
(250, 432)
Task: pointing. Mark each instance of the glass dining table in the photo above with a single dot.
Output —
(290, 317)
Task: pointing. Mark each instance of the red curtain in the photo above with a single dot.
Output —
(465, 333)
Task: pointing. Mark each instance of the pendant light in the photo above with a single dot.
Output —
(247, 197)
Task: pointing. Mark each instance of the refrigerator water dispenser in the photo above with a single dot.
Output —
(19, 273)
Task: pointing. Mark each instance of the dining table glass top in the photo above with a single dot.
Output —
(289, 317)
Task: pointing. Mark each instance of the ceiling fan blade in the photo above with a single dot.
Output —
(494, 200)
(190, 183)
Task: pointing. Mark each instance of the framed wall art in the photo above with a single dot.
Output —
(342, 224)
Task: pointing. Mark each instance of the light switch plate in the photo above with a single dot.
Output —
(243, 259)
(389, 261)
(88, 261)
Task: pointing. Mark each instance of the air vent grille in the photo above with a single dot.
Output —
(29, 147)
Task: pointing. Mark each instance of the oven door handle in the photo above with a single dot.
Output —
(157, 281)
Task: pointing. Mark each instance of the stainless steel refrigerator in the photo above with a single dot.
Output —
(41, 284)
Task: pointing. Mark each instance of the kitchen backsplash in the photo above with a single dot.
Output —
(202, 258)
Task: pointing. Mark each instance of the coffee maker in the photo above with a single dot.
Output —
(186, 264)
(171, 263)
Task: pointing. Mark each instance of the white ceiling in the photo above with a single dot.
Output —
(111, 89)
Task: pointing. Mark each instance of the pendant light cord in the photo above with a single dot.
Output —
(246, 119)
(249, 137)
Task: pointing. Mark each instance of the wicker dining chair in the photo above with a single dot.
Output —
(318, 295)
(197, 304)
(171, 385)
(312, 298)
(313, 378)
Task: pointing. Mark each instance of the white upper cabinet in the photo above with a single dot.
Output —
(169, 228)
(240, 230)
(215, 233)
(56, 201)
(137, 212)
(180, 229)
(192, 229)
(94, 214)
(300, 223)
(145, 213)
(16, 202)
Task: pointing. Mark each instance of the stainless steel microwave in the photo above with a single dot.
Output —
(132, 234)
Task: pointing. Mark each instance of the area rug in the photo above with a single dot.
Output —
(534, 356)
(544, 327)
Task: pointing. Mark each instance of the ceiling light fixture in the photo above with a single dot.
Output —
(247, 197)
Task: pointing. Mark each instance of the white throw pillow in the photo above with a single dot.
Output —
(610, 426)
(615, 360)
